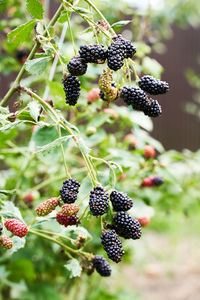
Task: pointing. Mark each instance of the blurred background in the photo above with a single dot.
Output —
(165, 263)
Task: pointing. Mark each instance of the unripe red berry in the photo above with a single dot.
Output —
(16, 227)
(93, 95)
(122, 176)
(147, 181)
(70, 209)
(149, 151)
(28, 198)
(6, 242)
(47, 206)
(144, 221)
(66, 220)
(112, 112)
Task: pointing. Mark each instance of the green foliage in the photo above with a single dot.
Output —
(35, 8)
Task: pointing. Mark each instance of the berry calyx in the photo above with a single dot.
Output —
(6, 242)
(120, 201)
(77, 66)
(126, 226)
(149, 151)
(46, 207)
(98, 201)
(112, 245)
(16, 227)
(69, 190)
(102, 266)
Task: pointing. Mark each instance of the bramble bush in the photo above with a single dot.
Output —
(71, 169)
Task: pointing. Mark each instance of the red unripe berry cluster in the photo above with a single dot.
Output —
(16, 227)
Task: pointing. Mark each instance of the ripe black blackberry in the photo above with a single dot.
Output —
(157, 180)
(134, 96)
(69, 190)
(102, 266)
(77, 66)
(98, 201)
(116, 52)
(1, 229)
(153, 109)
(130, 50)
(93, 53)
(126, 226)
(120, 201)
(72, 89)
(112, 245)
(153, 86)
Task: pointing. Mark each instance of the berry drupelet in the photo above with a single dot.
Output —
(69, 190)
(153, 86)
(126, 226)
(116, 52)
(153, 109)
(93, 53)
(72, 89)
(102, 266)
(77, 66)
(98, 201)
(130, 50)
(134, 96)
(120, 201)
(112, 245)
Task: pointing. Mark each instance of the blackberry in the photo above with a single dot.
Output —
(69, 190)
(72, 89)
(153, 109)
(116, 52)
(120, 201)
(98, 201)
(134, 96)
(126, 226)
(77, 66)
(130, 50)
(157, 180)
(93, 53)
(112, 245)
(153, 86)
(1, 229)
(102, 266)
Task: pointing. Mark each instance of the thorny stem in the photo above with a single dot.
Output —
(14, 86)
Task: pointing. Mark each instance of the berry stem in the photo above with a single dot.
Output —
(71, 34)
(55, 233)
(63, 156)
(14, 86)
(100, 14)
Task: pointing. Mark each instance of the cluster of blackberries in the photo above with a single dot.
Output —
(97, 54)
(137, 98)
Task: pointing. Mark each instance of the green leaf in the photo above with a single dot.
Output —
(35, 8)
(38, 65)
(100, 120)
(34, 109)
(63, 18)
(57, 92)
(8, 209)
(81, 10)
(54, 144)
(74, 268)
(152, 67)
(10, 125)
(121, 23)
(21, 33)
(18, 244)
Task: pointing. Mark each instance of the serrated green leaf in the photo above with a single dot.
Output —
(38, 65)
(35, 8)
(57, 92)
(54, 144)
(74, 268)
(121, 23)
(18, 244)
(21, 33)
(8, 209)
(63, 18)
(34, 109)
(10, 125)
